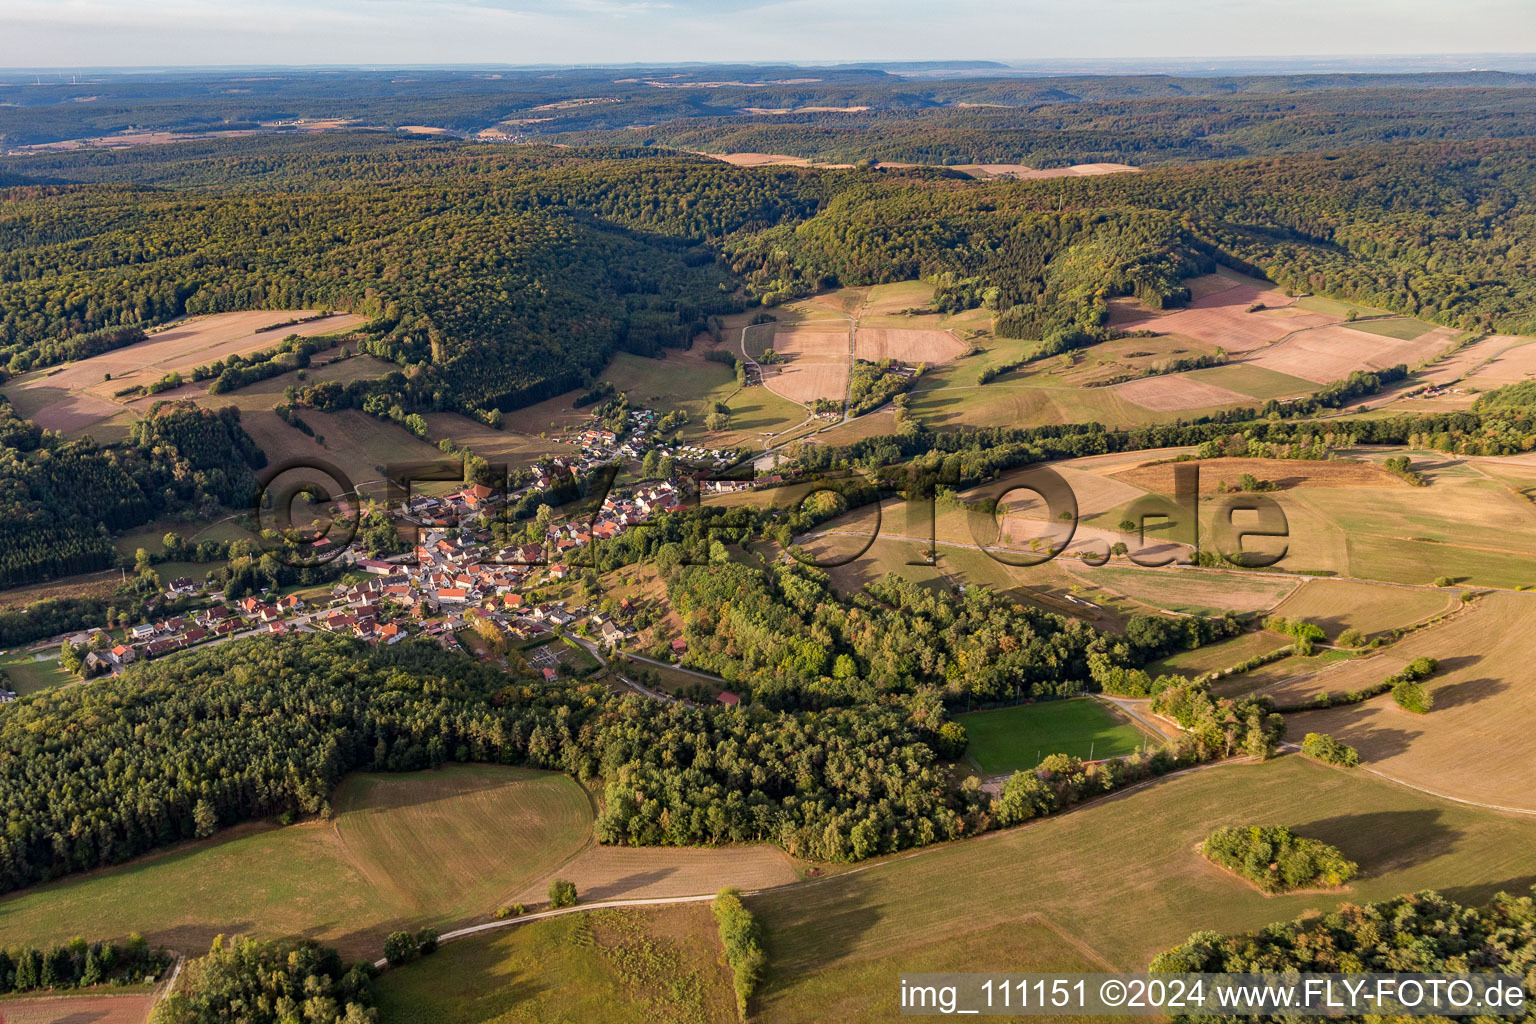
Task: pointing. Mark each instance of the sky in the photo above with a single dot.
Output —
(62, 34)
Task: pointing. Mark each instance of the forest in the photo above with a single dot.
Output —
(951, 112)
(175, 749)
(1422, 932)
(60, 500)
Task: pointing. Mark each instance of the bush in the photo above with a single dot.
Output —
(742, 938)
(1351, 638)
(1412, 695)
(426, 941)
(1276, 859)
(562, 893)
(1322, 747)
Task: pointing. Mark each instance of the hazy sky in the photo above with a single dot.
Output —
(81, 33)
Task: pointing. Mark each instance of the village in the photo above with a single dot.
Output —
(455, 581)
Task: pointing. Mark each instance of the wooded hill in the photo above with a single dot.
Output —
(499, 276)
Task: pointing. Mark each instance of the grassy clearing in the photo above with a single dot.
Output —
(28, 675)
(1122, 876)
(1012, 739)
(1402, 328)
(426, 848)
(604, 967)
(1336, 307)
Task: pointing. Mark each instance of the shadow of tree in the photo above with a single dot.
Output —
(1385, 841)
(1468, 691)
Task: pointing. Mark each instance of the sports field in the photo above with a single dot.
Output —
(1119, 880)
(1012, 739)
(658, 965)
(426, 848)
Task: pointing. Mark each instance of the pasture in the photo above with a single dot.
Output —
(1219, 657)
(620, 966)
(426, 848)
(29, 674)
(1253, 380)
(1118, 880)
(1013, 739)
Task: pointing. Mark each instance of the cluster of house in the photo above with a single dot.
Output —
(153, 639)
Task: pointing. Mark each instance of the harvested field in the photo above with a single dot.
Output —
(808, 382)
(1220, 315)
(812, 342)
(1025, 173)
(817, 362)
(1475, 743)
(1514, 361)
(1337, 605)
(873, 344)
(628, 872)
(81, 393)
(838, 942)
(55, 408)
(1195, 591)
(193, 342)
(1332, 352)
(1175, 391)
(1285, 473)
(80, 1009)
(760, 159)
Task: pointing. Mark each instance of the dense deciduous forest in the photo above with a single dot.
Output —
(497, 276)
(175, 749)
(267, 982)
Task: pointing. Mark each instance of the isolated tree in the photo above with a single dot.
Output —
(562, 893)
(400, 948)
